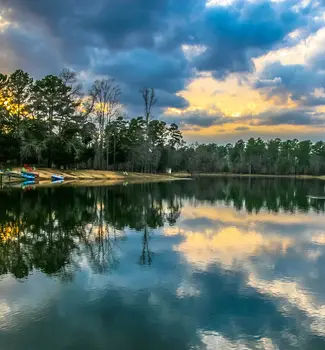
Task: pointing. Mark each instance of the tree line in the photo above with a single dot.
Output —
(256, 156)
(55, 122)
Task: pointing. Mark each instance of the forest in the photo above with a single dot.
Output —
(56, 122)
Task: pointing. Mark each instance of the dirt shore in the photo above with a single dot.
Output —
(103, 175)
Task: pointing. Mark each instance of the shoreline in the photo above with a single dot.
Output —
(97, 177)
(104, 177)
(300, 177)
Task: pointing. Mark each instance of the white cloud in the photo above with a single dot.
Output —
(212, 3)
(214, 340)
(191, 51)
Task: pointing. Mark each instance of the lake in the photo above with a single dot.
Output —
(213, 263)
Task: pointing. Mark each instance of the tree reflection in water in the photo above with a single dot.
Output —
(50, 228)
(146, 256)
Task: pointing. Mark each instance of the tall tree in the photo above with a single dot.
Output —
(254, 153)
(54, 104)
(105, 94)
(149, 99)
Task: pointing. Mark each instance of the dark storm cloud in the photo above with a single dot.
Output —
(295, 81)
(198, 119)
(129, 24)
(303, 83)
(139, 42)
(132, 97)
(140, 67)
(235, 34)
(28, 50)
(292, 117)
(125, 39)
(299, 116)
(114, 25)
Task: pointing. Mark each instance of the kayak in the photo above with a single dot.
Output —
(29, 170)
(57, 178)
(27, 176)
(30, 173)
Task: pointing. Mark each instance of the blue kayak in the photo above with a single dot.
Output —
(57, 178)
(27, 176)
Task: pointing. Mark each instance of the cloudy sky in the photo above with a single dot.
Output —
(222, 69)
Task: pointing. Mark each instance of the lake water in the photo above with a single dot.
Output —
(223, 263)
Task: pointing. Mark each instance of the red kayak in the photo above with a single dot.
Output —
(28, 170)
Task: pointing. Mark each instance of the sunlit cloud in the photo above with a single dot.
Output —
(230, 216)
(227, 246)
(231, 238)
(235, 240)
(231, 97)
(236, 97)
(5, 22)
(319, 239)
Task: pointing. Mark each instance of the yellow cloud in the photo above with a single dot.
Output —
(235, 96)
(234, 128)
(233, 99)
(239, 238)
(228, 97)
(319, 239)
(228, 246)
(228, 215)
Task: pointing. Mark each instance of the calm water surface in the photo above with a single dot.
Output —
(206, 264)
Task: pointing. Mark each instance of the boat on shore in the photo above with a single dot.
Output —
(55, 178)
(28, 176)
(29, 170)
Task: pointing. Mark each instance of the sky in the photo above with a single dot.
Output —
(223, 70)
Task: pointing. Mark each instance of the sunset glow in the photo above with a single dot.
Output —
(231, 70)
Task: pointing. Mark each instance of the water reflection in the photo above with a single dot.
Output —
(43, 229)
(211, 264)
